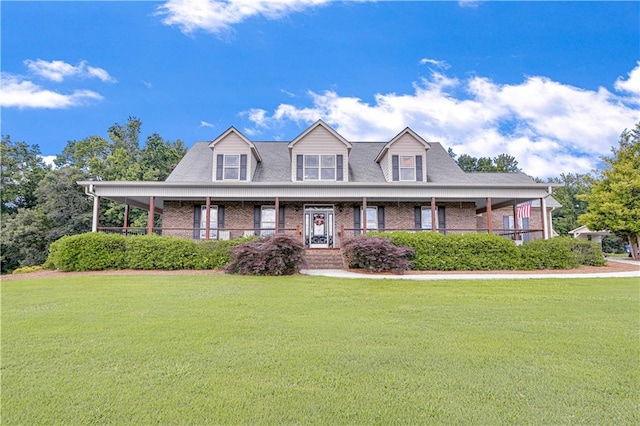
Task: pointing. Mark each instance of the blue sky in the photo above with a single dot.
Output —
(551, 83)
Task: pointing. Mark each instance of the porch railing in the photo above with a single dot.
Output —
(519, 236)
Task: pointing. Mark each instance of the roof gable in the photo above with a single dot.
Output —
(406, 131)
(324, 125)
(232, 130)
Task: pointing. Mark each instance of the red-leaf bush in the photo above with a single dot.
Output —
(275, 255)
(377, 254)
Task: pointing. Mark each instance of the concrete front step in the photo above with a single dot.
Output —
(323, 259)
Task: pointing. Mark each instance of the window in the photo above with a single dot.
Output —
(372, 218)
(231, 167)
(267, 220)
(319, 167)
(407, 168)
(426, 218)
(213, 222)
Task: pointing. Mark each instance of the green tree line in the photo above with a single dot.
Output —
(41, 204)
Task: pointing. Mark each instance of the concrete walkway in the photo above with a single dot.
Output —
(339, 273)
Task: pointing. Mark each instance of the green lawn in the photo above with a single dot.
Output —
(308, 350)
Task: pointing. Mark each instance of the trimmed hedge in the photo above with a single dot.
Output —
(561, 253)
(99, 251)
(457, 252)
(469, 252)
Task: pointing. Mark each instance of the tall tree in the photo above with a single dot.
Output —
(503, 163)
(22, 170)
(614, 201)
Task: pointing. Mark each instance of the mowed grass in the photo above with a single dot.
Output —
(308, 350)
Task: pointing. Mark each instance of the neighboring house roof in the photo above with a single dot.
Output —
(583, 230)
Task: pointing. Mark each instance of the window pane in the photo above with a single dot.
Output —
(426, 218)
(269, 214)
(406, 161)
(311, 174)
(407, 174)
(328, 161)
(328, 174)
(372, 218)
(231, 160)
(231, 173)
(311, 160)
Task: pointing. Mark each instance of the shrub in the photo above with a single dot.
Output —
(27, 269)
(98, 251)
(92, 251)
(377, 254)
(587, 253)
(274, 255)
(457, 252)
(155, 252)
(560, 253)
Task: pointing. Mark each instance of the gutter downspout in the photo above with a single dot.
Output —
(90, 191)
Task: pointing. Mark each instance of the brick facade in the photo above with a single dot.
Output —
(178, 217)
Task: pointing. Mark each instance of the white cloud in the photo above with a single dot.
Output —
(218, 17)
(469, 3)
(16, 92)
(59, 70)
(205, 124)
(632, 84)
(437, 63)
(548, 126)
(147, 84)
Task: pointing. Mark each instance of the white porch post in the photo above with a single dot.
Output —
(434, 214)
(152, 215)
(96, 213)
(545, 218)
(364, 215)
(489, 217)
(207, 215)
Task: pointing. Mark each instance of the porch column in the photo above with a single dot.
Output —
(96, 213)
(515, 220)
(152, 215)
(434, 214)
(489, 217)
(277, 214)
(207, 216)
(364, 215)
(125, 222)
(545, 219)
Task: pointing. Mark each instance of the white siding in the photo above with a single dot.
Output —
(320, 141)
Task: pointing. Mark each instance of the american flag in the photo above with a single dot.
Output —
(524, 209)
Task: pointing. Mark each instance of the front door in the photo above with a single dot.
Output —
(318, 226)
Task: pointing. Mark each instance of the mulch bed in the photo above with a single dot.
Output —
(610, 267)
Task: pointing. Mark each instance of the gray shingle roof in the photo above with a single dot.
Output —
(197, 165)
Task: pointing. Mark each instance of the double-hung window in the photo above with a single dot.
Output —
(319, 167)
(268, 220)
(426, 219)
(231, 167)
(372, 218)
(407, 168)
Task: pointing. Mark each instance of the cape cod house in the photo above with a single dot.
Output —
(325, 188)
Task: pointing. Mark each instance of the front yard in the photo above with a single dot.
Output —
(203, 349)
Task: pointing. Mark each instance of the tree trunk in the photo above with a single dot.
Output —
(634, 247)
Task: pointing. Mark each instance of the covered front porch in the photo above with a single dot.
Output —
(323, 216)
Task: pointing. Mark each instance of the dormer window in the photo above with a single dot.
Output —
(319, 167)
(407, 168)
(231, 167)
